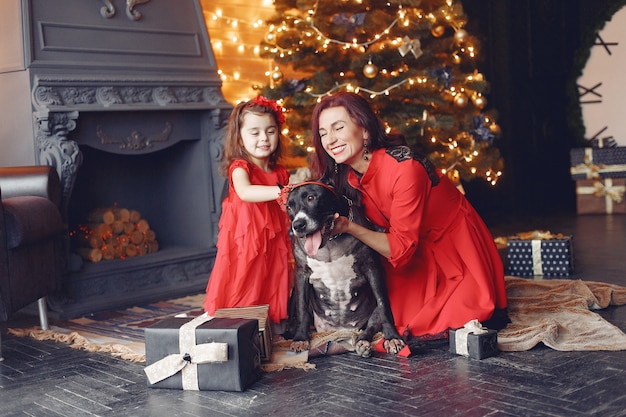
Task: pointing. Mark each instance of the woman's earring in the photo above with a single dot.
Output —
(366, 152)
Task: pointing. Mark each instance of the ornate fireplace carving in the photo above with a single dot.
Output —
(140, 87)
(53, 125)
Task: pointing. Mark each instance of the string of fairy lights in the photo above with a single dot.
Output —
(403, 19)
(438, 20)
(217, 44)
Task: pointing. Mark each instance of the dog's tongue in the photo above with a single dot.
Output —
(312, 243)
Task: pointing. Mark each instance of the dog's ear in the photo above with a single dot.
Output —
(327, 180)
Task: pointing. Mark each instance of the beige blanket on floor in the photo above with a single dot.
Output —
(558, 313)
(555, 312)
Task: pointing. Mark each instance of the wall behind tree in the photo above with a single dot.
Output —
(533, 51)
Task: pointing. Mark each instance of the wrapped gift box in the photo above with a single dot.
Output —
(474, 342)
(237, 369)
(540, 253)
(260, 313)
(601, 196)
(589, 163)
(603, 143)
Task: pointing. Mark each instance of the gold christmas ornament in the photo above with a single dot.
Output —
(437, 31)
(479, 101)
(460, 35)
(277, 75)
(495, 129)
(461, 100)
(370, 70)
(447, 96)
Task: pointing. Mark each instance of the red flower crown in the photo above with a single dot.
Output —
(266, 102)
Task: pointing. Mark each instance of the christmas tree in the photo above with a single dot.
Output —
(414, 59)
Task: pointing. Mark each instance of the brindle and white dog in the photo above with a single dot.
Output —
(340, 282)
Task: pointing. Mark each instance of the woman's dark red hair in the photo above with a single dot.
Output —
(361, 113)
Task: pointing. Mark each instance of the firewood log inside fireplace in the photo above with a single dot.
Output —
(114, 233)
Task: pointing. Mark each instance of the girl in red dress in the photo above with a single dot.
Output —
(253, 248)
(443, 268)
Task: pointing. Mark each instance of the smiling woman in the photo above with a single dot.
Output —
(442, 266)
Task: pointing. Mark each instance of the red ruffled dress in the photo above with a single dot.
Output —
(444, 269)
(252, 265)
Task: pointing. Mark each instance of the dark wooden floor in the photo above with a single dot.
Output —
(50, 379)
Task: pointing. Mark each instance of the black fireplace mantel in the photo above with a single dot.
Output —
(59, 100)
(129, 79)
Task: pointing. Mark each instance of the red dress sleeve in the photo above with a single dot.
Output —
(238, 163)
(405, 209)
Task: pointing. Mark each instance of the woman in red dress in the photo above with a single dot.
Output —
(443, 268)
(252, 265)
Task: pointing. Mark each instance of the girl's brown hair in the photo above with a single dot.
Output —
(233, 145)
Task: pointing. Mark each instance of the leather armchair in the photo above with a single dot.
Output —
(32, 239)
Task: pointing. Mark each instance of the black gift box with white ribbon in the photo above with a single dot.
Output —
(224, 357)
(475, 343)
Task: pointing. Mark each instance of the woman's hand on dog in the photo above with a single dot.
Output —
(341, 225)
(375, 240)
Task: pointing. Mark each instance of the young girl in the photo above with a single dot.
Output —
(253, 246)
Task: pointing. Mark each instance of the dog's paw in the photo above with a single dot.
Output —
(393, 345)
(299, 345)
(363, 348)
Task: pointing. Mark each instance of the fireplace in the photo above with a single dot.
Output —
(167, 175)
(127, 106)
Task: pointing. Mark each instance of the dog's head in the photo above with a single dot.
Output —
(311, 206)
